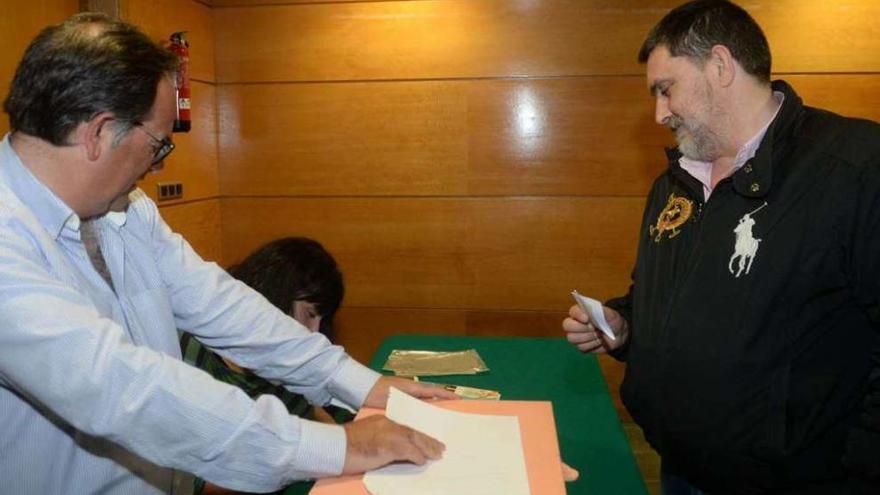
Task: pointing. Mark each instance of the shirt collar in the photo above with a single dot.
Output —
(54, 215)
(702, 171)
(116, 218)
(51, 212)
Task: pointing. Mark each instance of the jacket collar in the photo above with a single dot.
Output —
(755, 178)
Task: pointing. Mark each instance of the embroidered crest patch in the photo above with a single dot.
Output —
(677, 211)
(746, 246)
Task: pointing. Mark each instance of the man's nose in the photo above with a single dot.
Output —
(661, 111)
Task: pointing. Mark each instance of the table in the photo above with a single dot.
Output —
(591, 438)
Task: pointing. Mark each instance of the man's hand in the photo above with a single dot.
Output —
(376, 441)
(581, 332)
(378, 395)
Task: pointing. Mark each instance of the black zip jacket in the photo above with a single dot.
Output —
(753, 364)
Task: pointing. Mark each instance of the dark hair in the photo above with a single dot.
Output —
(694, 28)
(295, 268)
(84, 66)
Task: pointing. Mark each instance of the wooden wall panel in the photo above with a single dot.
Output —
(361, 329)
(194, 159)
(492, 38)
(477, 137)
(254, 3)
(428, 39)
(343, 139)
(593, 136)
(19, 23)
(809, 36)
(466, 253)
(853, 95)
(160, 18)
(199, 223)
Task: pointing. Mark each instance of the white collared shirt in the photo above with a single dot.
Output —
(93, 395)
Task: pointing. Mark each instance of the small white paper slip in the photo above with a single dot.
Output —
(484, 453)
(594, 309)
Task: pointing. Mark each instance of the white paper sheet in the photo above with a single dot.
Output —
(594, 309)
(484, 454)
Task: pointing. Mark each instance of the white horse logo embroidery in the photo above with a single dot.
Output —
(746, 246)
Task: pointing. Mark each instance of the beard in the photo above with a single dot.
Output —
(696, 140)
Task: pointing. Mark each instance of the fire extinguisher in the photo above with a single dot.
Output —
(180, 46)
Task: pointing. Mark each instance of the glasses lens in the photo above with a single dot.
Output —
(165, 145)
(164, 150)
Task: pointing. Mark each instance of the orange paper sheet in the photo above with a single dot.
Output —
(540, 446)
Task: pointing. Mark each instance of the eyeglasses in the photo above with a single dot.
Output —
(165, 145)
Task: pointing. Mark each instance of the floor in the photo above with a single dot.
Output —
(646, 458)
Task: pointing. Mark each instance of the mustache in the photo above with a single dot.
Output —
(674, 123)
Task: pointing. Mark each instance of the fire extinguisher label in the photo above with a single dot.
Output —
(183, 103)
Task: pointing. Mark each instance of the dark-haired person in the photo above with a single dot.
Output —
(298, 276)
(751, 329)
(94, 397)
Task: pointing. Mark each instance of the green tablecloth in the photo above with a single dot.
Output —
(591, 438)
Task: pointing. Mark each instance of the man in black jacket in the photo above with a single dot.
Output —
(751, 330)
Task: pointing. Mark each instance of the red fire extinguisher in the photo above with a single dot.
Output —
(180, 46)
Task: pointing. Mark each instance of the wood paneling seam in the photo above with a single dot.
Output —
(433, 196)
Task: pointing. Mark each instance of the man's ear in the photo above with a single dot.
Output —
(96, 135)
(721, 65)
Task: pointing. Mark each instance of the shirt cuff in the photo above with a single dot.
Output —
(352, 383)
(321, 451)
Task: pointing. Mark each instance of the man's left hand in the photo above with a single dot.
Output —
(378, 395)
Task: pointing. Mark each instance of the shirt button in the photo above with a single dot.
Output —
(755, 187)
(748, 168)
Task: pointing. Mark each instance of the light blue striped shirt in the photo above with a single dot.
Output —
(93, 395)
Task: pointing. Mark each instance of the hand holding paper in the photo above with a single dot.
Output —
(592, 327)
(594, 309)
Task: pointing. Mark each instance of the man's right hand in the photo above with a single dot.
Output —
(376, 441)
(581, 332)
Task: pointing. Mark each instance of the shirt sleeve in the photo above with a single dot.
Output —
(238, 323)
